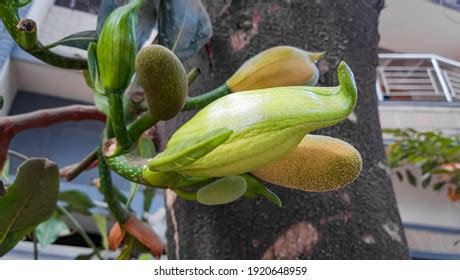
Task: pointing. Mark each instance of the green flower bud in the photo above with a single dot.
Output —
(254, 128)
(116, 47)
(277, 67)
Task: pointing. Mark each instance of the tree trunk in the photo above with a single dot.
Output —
(360, 221)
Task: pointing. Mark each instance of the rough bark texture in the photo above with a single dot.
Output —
(360, 221)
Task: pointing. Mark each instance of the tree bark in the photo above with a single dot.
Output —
(360, 221)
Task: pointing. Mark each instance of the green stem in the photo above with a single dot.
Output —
(127, 252)
(80, 230)
(109, 128)
(117, 120)
(132, 194)
(108, 191)
(26, 38)
(193, 74)
(52, 58)
(141, 124)
(190, 196)
(201, 101)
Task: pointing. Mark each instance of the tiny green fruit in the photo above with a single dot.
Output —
(222, 191)
(164, 80)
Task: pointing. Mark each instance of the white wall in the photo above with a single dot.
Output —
(418, 26)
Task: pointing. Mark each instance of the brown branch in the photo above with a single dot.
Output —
(73, 170)
(12, 125)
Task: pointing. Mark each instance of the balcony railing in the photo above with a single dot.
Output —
(417, 77)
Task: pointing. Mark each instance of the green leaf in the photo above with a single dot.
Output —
(437, 186)
(101, 223)
(256, 188)
(426, 180)
(222, 191)
(93, 69)
(411, 178)
(149, 194)
(77, 201)
(80, 40)
(6, 169)
(102, 103)
(22, 3)
(85, 257)
(189, 151)
(184, 26)
(30, 200)
(145, 257)
(416, 159)
(50, 230)
(428, 166)
(400, 176)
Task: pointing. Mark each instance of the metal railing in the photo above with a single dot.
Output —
(417, 77)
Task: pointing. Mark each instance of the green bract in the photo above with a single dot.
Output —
(260, 127)
(222, 191)
(116, 48)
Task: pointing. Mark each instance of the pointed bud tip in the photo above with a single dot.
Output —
(316, 56)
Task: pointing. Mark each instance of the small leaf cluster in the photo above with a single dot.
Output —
(436, 155)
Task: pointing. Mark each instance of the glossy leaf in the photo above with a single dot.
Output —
(147, 18)
(437, 186)
(80, 40)
(30, 200)
(49, 231)
(77, 201)
(22, 3)
(102, 103)
(222, 191)
(94, 80)
(411, 178)
(184, 26)
(101, 223)
(426, 180)
(256, 188)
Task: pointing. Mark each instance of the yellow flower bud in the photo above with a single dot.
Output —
(317, 164)
(277, 67)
